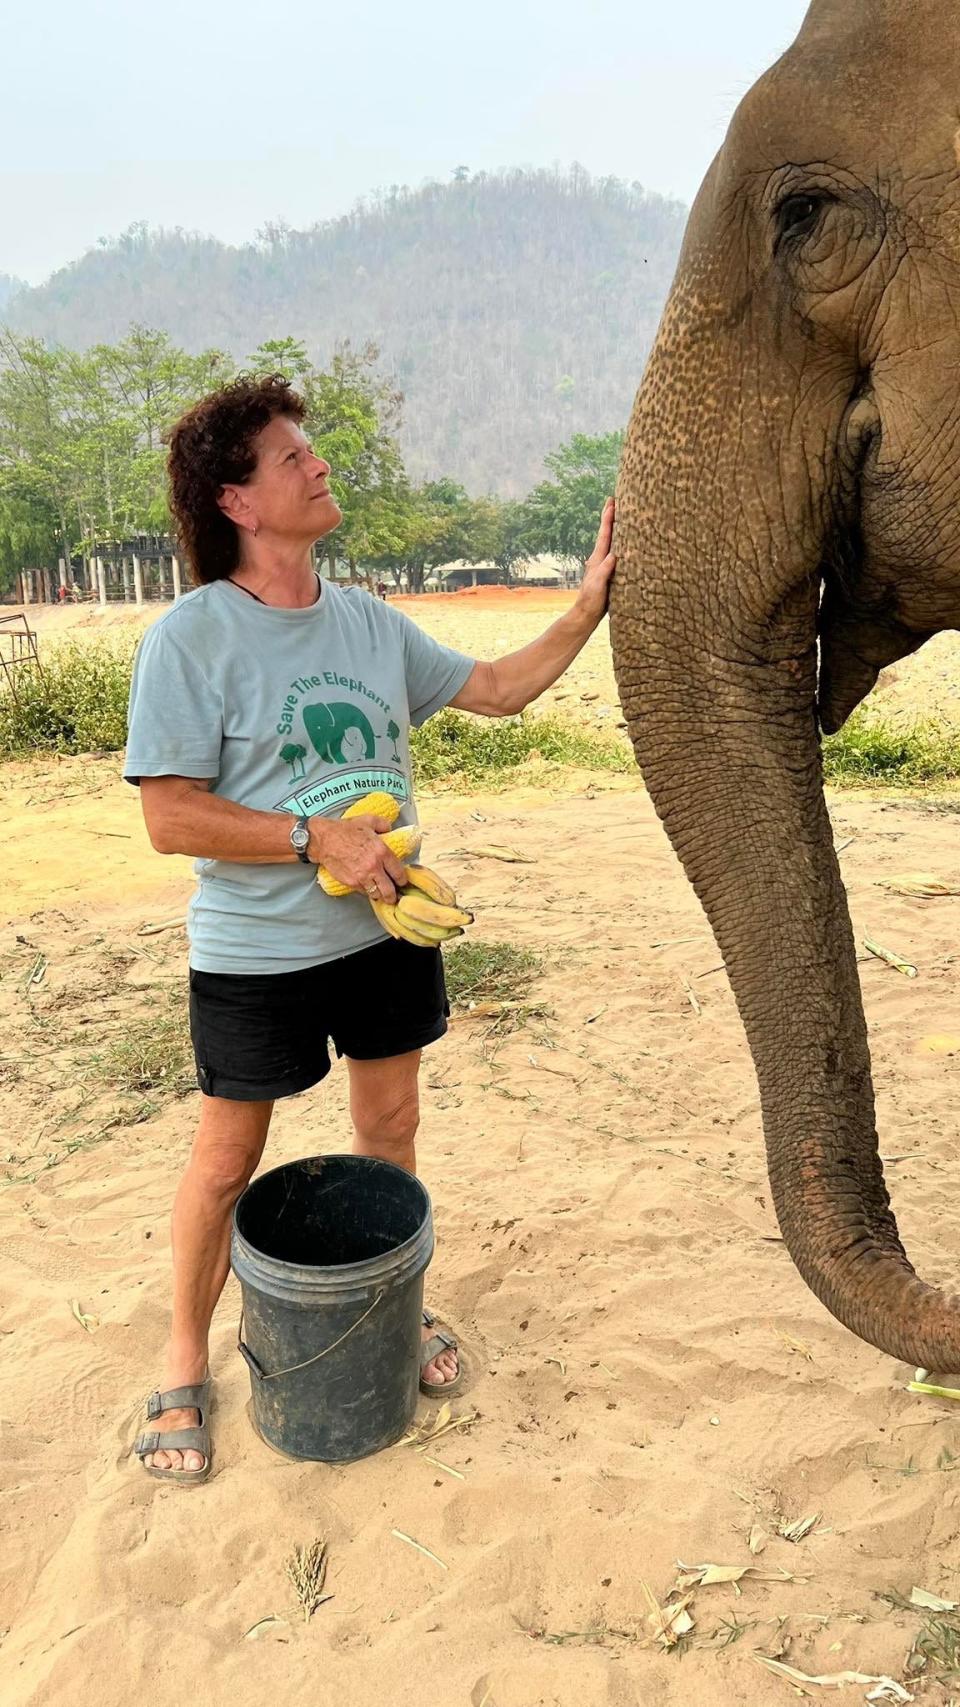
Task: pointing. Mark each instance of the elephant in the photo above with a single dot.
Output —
(326, 726)
(788, 523)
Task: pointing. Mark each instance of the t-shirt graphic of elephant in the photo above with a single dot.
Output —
(327, 725)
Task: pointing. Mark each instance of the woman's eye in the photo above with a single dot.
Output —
(798, 214)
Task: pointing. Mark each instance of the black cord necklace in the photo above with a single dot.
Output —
(261, 601)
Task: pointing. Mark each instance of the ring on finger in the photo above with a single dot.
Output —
(373, 890)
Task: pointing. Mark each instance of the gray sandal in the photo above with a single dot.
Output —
(196, 1439)
(431, 1348)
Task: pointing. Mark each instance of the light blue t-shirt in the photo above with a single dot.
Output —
(294, 711)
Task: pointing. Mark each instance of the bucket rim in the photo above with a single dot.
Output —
(295, 1280)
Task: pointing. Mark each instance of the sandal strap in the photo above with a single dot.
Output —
(174, 1439)
(176, 1399)
(432, 1348)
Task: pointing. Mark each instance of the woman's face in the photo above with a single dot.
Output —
(287, 493)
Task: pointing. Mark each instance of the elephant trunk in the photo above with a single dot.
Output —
(716, 662)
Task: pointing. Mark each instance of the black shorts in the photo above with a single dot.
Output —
(260, 1036)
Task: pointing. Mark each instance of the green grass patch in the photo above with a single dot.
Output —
(77, 705)
(454, 744)
(867, 750)
(489, 971)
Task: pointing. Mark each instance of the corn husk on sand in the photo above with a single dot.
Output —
(425, 912)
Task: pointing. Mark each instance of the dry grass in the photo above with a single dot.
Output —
(307, 1570)
(489, 972)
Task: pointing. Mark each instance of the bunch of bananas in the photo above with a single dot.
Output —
(425, 911)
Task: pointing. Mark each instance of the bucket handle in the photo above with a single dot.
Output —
(274, 1375)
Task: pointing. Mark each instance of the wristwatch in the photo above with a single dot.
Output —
(300, 840)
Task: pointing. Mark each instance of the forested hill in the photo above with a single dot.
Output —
(514, 310)
(8, 288)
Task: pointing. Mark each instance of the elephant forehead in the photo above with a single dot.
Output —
(869, 87)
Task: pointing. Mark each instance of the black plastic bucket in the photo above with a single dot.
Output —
(330, 1253)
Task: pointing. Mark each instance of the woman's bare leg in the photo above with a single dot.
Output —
(385, 1108)
(226, 1150)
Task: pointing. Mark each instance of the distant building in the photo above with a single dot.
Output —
(542, 571)
(545, 571)
(453, 576)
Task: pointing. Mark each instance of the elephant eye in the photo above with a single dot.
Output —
(798, 214)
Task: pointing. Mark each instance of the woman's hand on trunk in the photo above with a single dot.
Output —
(598, 571)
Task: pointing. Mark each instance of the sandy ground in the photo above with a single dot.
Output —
(652, 1382)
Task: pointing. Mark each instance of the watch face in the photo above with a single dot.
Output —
(300, 836)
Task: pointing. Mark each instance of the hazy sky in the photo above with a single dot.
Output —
(218, 115)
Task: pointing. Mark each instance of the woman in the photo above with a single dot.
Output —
(262, 703)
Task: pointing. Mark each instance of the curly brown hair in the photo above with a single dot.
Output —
(211, 446)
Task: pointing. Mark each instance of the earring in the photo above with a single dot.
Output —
(254, 530)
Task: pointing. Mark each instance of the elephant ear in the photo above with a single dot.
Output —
(854, 648)
(859, 630)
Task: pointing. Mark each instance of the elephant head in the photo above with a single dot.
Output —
(791, 476)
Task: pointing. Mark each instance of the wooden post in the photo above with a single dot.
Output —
(64, 577)
(175, 565)
(127, 580)
(101, 579)
(137, 579)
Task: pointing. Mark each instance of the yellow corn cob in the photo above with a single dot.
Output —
(404, 842)
(377, 805)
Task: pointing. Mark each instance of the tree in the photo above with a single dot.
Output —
(562, 515)
(28, 526)
(293, 755)
(511, 546)
(393, 734)
(35, 448)
(154, 382)
(81, 456)
(283, 355)
(433, 528)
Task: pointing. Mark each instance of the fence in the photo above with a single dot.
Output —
(18, 649)
(132, 577)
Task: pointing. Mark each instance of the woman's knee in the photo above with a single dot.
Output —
(392, 1126)
(228, 1145)
(224, 1169)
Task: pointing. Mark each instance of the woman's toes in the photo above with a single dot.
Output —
(193, 1460)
